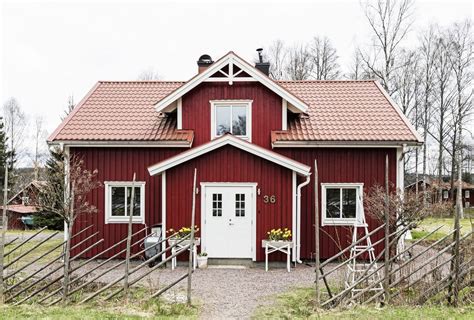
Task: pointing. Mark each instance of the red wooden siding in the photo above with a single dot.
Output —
(229, 164)
(266, 109)
(119, 164)
(339, 165)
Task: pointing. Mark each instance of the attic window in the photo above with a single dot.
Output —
(234, 117)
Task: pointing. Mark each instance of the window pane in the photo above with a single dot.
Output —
(333, 203)
(222, 120)
(217, 205)
(118, 201)
(136, 205)
(349, 203)
(240, 204)
(239, 120)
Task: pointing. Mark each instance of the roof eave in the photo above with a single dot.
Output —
(342, 143)
(124, 143)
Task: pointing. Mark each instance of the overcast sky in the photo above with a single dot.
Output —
(51, 50)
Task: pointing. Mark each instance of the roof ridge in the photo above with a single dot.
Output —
(141, 81)
(338, 80)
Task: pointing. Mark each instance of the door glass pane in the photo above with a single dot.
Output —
(217, 205)
(136, 205)
(222, 120)
(333, 204)
(349, 203)
(239, 120)
(240, 204)
(118, 202)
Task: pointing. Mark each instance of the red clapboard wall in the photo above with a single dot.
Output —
(229, 164)
(266, 109)
(337, 165)
(119, 164)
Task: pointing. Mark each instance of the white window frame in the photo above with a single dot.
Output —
(467, 194)
(326, 221)
(246, 103)
(445, 194)
(108, 201)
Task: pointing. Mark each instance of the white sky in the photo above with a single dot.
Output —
(50, 50)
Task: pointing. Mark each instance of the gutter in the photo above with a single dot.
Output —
(298, 217)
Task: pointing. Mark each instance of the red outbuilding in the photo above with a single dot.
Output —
(253, 141)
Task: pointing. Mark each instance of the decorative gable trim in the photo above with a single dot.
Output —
(235, 142)
(231, 60)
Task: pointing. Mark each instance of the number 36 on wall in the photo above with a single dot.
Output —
(269, 199)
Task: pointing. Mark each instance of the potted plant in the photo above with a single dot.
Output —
(176, 236)
(278, 237)
(202, 260)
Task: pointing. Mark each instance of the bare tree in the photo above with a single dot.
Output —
(70, 106)
(461, 58)
(277, 56)
(40, 148)
(15, 127)
(427, 54)
(390, 22)
(300, 63)
(71, 205)
(443, 99)
(149, 74)
(324, 55)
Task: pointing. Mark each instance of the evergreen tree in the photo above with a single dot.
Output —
(4, 155)
(54, 164)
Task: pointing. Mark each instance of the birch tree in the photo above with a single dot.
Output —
(39, 138)
(324, 56)
(390, 21)
(15, 128)
(277, 56)
(300, 63)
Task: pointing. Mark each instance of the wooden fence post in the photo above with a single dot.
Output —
(387, 233)
(191, 246)
(316, 233)
(4, 230)
(129, 238)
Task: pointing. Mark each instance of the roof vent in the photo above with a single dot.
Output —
(260, 65)
(204, 62)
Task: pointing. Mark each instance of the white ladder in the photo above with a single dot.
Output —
(357, 270)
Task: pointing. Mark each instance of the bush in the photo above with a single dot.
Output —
(50, 220)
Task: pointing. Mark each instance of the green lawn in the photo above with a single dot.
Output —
(298, 304)
(157, 310)
(430, 224)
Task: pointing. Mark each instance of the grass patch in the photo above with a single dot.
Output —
(43, 248)
(299, 304)
(430, 224)
(155, 310)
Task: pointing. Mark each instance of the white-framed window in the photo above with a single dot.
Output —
(467, 194)
(118, 195)
(231, 116)
(341, 203)
(445, 194)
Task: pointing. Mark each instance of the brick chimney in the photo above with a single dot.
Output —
(204, 62)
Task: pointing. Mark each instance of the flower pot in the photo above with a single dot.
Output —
(276, 243)
(202, 262)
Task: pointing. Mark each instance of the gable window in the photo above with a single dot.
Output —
(341, 203)
(118, 197)
(232, 117)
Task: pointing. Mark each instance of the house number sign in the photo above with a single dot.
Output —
(269, 199)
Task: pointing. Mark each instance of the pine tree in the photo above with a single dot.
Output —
(54, 164)
(4, 155)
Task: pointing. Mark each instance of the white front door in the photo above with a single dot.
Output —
(228, 214)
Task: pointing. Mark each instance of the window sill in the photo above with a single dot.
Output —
(338, 222)
(122, 221)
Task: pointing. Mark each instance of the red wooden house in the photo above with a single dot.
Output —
(253, 141)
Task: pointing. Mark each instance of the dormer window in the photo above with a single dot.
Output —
(234, 117)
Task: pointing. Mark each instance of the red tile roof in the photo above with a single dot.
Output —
(338, 111)
(345, 111)
(20, 208)
(122, 111)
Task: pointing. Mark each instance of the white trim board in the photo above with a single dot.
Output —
(231, 59)
(235, 142)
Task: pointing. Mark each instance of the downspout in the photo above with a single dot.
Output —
(298, 217)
